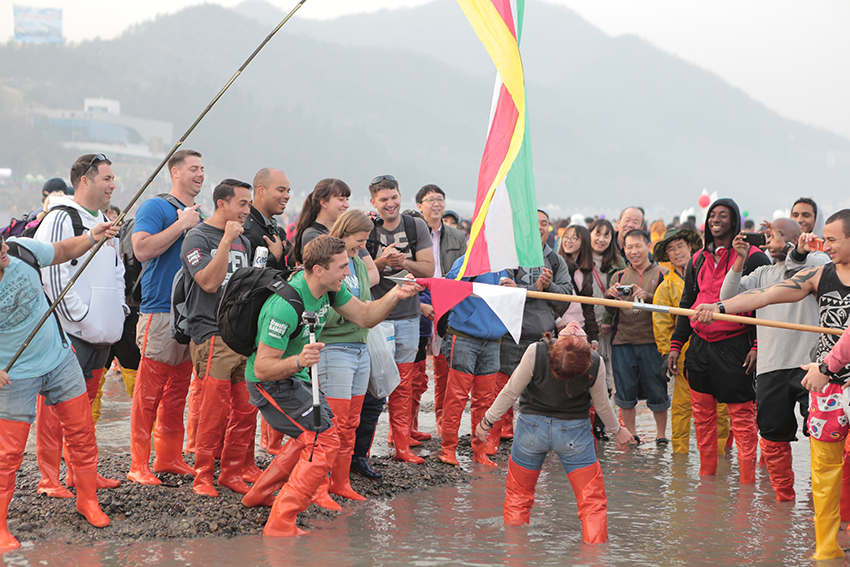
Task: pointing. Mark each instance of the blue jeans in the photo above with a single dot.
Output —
(406, 339)
(343, 370)
(63, 383)
(644, 361)
(477, 357)
(536, 435)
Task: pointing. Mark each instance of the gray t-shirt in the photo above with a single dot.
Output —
(199, 248)
(406, 308)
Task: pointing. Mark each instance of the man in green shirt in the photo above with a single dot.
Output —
(279, 380)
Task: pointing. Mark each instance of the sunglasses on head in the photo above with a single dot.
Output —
(381, 178)
(96, 159)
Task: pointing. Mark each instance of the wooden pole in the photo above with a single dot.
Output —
(679, 311)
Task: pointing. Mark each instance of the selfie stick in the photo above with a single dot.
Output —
(310, 319)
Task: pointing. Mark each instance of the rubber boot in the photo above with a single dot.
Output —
(743, 421)
(128, 376)
(345, 424)
(845, 483)
(704, 408)
(412, 443)
(311, 469)
(827, 465)
(238, 439)
(92, 385)
(275, 441)
(250, 471)
(214, 411)
(96, 403)
(275, 475)
(168, 431)
(482, 399)
(680, 416)
(777, 456)
(75, 416)
(519, 494)
(194, 403)
(420, 386)
(399, 410)
(101, 481)
(13, 441)
(150, 383)
(48, 450)
(458, 386)
(441, 376)
(494, 437)
(589, 488)
(264, 435)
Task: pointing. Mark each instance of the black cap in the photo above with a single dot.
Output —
(56, 184)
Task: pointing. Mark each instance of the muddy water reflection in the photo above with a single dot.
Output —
(660, 513)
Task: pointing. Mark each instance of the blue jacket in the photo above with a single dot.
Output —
(472, 315)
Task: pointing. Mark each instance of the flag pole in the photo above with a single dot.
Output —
(680, 311)
(150, 179)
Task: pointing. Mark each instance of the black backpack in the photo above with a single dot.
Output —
(373, 244)
(76, 222)
(27, 257)
(132, 267)
(238, 310)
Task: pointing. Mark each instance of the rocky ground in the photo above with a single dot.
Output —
(172, 510)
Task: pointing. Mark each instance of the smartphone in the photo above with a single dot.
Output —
(816, 244)
(755, 238)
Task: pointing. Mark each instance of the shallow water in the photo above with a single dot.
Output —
(660, 512)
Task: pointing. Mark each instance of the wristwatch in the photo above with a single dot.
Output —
(788, 247)
(824, 369)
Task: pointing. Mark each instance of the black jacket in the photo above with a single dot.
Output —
(256, 226)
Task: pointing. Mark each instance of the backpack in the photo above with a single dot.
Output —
(238, 310)
(15, 228)
(28, 257)
(76, 222)
(180, 309)
(132, 267)
(373, 244)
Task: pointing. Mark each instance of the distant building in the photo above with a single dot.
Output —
(100, 127)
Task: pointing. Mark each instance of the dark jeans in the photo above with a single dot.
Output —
(777, 393)
(372, 408)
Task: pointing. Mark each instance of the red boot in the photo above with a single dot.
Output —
(345, 425)
(150, 383)
(214, 411)
(743, 422)
(48, 450)
(420, 386)
(519, 494)
(194, 403)
(441, 376)
(399, 409)
(168, 432)
(13, 441)
(457, 391)
(589, 488)
(275, 475)
(75, 415)
(704, 408)
(482, 399)
(777, 457)
(239, 440)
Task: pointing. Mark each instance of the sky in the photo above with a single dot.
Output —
(787, 54)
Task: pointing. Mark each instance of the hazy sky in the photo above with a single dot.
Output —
(789, 55)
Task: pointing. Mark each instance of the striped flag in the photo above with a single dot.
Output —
(504, 231)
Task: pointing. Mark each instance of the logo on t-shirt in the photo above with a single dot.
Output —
(278, 329)
(193, 256)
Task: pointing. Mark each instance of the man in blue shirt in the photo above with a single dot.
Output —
(49, 369)
(165, 370)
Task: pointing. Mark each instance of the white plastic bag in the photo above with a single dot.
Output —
(384, 376)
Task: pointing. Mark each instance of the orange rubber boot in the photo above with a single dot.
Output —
(275, 475)
(457, 391)
(519, 494)
(420, 386)
(345, 425)
(399, 409)
(441, 376)
(743, 419)
(238, 440)
(48, 450)
(194, 403)
(777, 456)
(150, 383)
(589, 488)
(168, 432)
(214, 411)
(13, 441)
(482, 399)
(704, 408)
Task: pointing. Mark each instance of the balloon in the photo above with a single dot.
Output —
(702, 227)
(746, 214)
(704, 201)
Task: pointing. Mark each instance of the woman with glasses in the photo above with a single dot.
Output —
(575, 249)
(556, 382)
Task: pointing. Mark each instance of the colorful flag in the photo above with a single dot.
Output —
(504, 231)
(507, 303)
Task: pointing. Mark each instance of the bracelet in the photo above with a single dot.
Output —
(486, 422)
(298, 362)
(721, 307)
(91, 238)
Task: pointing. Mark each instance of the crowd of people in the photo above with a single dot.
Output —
(572, 365)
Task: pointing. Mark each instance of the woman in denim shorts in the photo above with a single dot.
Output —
(555, 382)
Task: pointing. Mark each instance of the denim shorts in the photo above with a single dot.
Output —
(63, 383)
(343, 370)
(406, 339)
(478, 357)
(644, 362)
(536, 435)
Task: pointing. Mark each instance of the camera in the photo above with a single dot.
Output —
(754, 238)
(624, 290)
(310, 318)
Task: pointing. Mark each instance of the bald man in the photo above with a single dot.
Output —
(271, 194)
(781, 352)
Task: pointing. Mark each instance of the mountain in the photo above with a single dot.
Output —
(408, 92)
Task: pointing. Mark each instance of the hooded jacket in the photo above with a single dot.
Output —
(93, 310)
(704, 286)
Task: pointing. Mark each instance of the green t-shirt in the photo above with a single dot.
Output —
(278, 320)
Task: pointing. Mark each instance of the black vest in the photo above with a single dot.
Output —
(546, 395)
(834, 313)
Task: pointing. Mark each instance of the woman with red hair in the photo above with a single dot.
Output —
(555, 382)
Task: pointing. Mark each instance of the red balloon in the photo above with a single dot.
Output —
(702, 227)
(704, 201)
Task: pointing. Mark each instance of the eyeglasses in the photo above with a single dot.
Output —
(571, 239)
(433, 200)
(381, 178)
(97, 158)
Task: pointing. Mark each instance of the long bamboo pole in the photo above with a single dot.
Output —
(679, 311)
